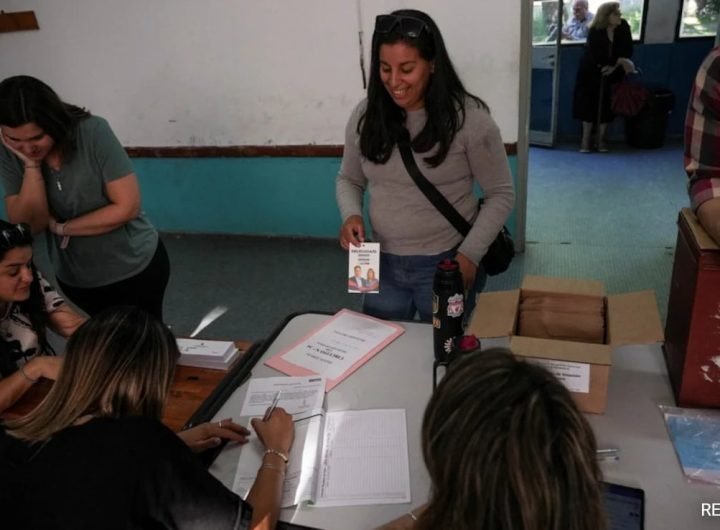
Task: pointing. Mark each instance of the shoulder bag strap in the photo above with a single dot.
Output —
(431, 192)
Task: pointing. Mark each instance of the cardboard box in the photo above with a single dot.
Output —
(584, 368)
(692, 329)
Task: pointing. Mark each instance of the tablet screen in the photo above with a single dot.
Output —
(625, 507)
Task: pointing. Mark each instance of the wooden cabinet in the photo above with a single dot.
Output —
(692, 329)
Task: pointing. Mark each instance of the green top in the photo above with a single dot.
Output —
(79, 188)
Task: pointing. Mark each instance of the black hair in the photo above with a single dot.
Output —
(25, 99)
(382, 123)
(34, 305)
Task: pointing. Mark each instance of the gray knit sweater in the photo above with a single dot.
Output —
(403, 220)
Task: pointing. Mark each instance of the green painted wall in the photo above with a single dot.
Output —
(268, 196)
(264, 196)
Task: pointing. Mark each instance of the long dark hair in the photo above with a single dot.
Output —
(506, 448)
(25, 99)
(19, 236)
(445, 98)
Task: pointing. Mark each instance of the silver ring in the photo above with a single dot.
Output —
(220, 424)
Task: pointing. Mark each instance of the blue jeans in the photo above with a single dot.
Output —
(406, 284)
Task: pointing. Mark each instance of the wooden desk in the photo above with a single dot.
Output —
(191, 387)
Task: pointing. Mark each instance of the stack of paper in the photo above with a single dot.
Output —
(337, 348)
(338, 458)
(215, 354)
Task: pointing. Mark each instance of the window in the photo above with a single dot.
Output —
(575, 30)
(699, 18)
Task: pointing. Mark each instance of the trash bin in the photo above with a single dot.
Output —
(646, 130)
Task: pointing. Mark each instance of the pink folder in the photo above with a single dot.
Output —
(288, 368)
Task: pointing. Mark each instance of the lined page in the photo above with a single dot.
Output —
(364, 459)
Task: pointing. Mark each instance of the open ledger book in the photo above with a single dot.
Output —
(343, 458)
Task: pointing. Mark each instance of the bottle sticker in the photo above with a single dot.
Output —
(455, 305)
(435, 303)
(436, 322)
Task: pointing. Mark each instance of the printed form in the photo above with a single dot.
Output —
(302, 397)
(337, 348)
(364, 459)
(338, 458)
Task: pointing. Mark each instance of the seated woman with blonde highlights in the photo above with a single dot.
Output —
(506, 449)
(94, 453)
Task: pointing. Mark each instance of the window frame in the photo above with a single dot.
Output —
(678, 24)
(643, 25)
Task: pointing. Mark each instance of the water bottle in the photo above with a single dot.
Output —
(448, 307)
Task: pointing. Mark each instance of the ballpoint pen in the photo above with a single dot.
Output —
(611, 453)
(274, 403)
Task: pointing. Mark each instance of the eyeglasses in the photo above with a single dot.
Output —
(17, 236)
(409, 27)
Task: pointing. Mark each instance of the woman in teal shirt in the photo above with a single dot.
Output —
(66, 173)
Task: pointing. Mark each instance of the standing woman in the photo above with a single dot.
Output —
(28, 307)
(65, 172)
(605, 62)
(414, 87)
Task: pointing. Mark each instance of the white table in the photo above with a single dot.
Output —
(400, 376)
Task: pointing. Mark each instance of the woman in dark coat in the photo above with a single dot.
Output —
(605, 62)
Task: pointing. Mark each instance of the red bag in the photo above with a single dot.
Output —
(628, 98)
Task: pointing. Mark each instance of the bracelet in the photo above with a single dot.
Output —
(36, 166)
(276, 452)
(26, 376)
(412, 515)
(274, 468)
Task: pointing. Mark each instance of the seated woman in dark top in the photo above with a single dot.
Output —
(28, 306)
(95, 455)
(506, 449)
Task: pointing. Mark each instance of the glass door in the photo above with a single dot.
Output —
(548, 19)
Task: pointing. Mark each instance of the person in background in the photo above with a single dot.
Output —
(28, 306)
(578, 26)
(415, 91)
(506, 449)
(605, 61)
(66, 174)
(94, 453)
(702, 144)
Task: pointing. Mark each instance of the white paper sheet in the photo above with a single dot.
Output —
(364, 459)
(299, 396)
(336, 347)
(208, 348)
(302, 463)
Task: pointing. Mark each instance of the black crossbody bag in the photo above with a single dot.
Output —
(501, 251)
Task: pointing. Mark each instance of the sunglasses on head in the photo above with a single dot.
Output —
(409, 27)
(17, 236)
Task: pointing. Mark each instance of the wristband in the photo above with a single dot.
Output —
(36, 166)
(60, 229)
(276, 452)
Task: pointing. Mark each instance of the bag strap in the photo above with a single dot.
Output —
(429, 190)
